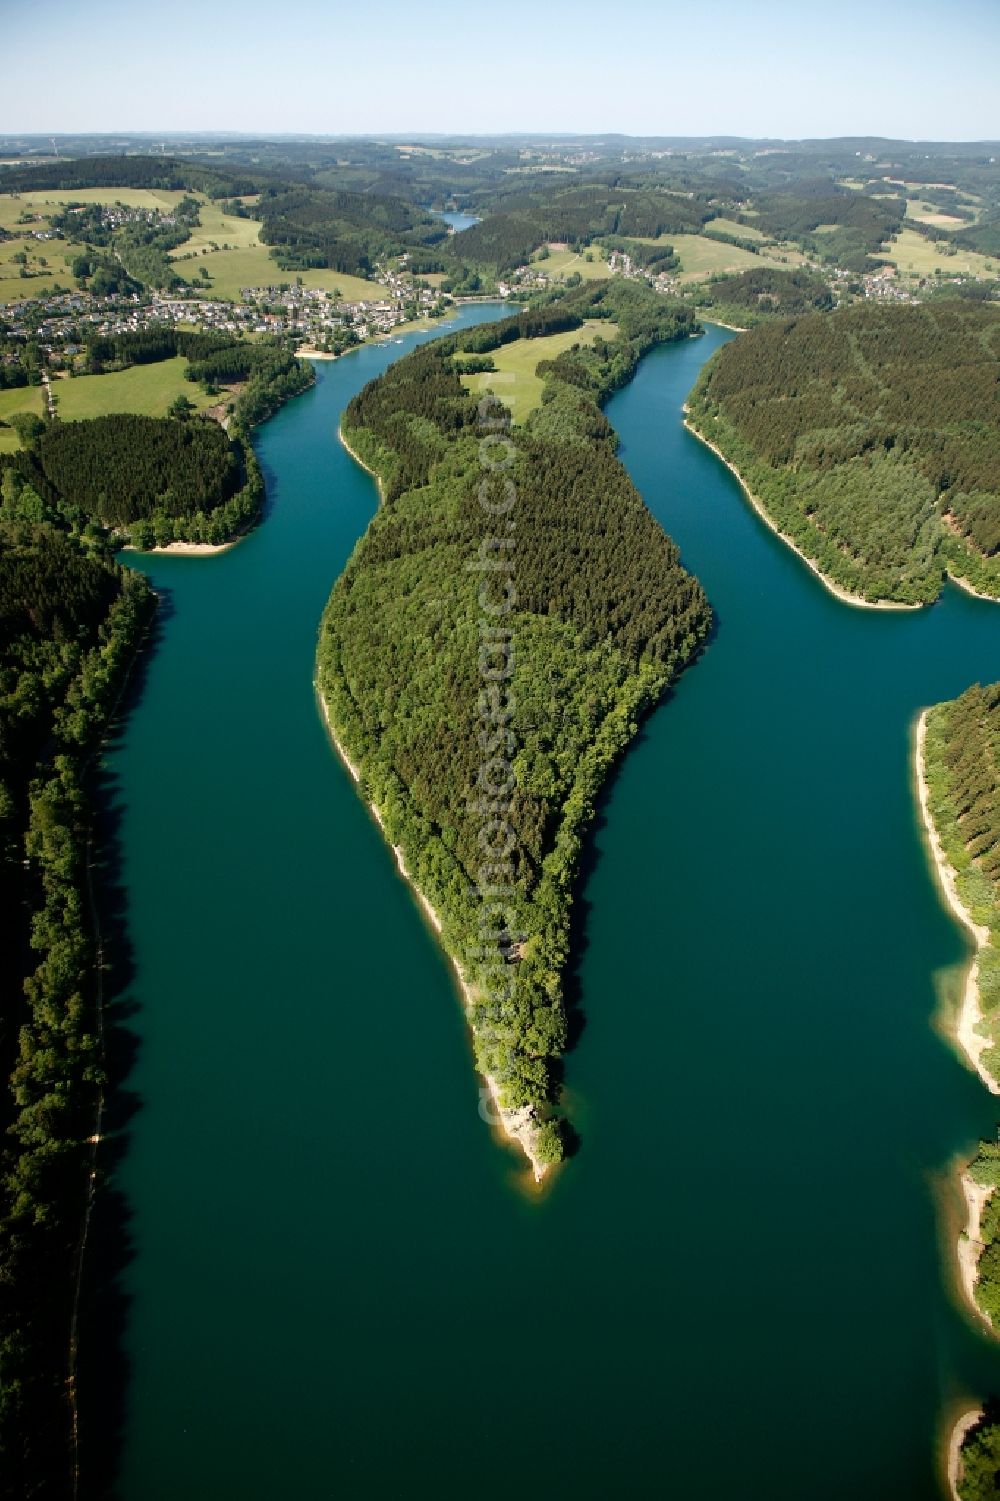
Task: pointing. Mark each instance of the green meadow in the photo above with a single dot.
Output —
(514, 379)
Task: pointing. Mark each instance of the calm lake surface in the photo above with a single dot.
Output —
(458, 222)
(741, 1286)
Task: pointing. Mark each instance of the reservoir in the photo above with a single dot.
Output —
(333, 1283)
(458, 222)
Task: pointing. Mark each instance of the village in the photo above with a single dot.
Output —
(63, 322)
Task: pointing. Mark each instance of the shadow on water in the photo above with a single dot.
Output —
(590, 858)
(104, 1307)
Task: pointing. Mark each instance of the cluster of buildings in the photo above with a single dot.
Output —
(64, 321)
(321, 316)
(622, 264)
(534, 277)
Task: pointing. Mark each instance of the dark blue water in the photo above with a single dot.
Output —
(737, 1288)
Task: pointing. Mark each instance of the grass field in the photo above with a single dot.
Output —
(146, 389)
(219, 229)
(14, 287)
(23, 399)
(916, 256)
(701, 257)
(248, 263)
(562, 263)
(354, 288)
(926, 213)
(229, 270)
(731, 227)
(514, 379)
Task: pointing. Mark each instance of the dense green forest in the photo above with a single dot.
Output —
(834, 224)
(576, 215)
(871, 436)
(961, 760)
(594, 618)
(346, 231)
(70, 624)
(166, 173)
(981, 1457)
(764, 292)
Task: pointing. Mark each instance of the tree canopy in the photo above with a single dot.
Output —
(872, 437)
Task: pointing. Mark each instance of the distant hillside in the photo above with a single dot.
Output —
(576, 215)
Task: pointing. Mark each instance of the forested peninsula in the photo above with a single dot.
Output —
(498, 634)
(870, 439)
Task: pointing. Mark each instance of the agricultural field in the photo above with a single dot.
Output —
(145, 389)
(514, 379)
(926, 213)
(217, 229)
(914, 255)
(562, 263)
(353, 288)
(732, 227)
(701, 257)
(41, 280)
(22, 399)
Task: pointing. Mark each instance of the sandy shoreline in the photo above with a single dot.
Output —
(189, 549)
(970, 1245)
(970, 1015)
(967, 588)
(707, 317)
(517, 1125)
(965, 1422)
(835, 589)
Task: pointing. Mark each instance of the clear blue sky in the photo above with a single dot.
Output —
(789, 68)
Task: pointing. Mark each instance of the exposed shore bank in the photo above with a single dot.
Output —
(967, 1421)
(973, 1044)
(840, 593)
(191, 549)
(970, 1245)
(968, 588)
(518, 1125)
(361, 463)
(706, 317)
